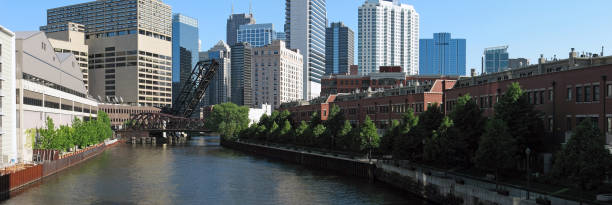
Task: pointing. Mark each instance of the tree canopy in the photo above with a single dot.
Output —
(228, 119)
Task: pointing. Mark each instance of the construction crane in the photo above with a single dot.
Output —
(192, 90)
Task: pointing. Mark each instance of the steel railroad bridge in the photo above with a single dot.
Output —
(171, 122)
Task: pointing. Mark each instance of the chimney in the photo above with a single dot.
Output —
(541, 60)
(601, 51)
(572, 58)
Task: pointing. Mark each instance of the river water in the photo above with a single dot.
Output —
(200, 172)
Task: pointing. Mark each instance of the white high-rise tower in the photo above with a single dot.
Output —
(388, 36)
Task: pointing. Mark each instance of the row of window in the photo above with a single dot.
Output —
(587, 93)
(54, 105)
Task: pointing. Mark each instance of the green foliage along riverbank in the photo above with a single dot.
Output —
(81, 133)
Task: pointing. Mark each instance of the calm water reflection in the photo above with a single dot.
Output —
(199, 173)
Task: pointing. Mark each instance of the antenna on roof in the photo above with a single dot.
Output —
(232, 7)
(251, 7)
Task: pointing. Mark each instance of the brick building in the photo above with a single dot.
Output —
(388, 77)
(119, 114)
(381, 105)
(567, 91)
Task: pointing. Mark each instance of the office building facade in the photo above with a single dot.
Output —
(49, 84)
(241, 84)
(219, 89)
(8, 119)
(388, 36)
(185, 50)
(442, 55)
(72, 40)
(233, 23)
(495, 59)
(277, 74)
(305, 23)
(256, 35)
(130, 48)
(280, 36)
(339, 48)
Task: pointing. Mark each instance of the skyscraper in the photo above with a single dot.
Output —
(233, 23)
(219, 89)
(495, 59)
(442, 55)
(130, 57)
(256, 34)
(185, 53)
(388, 36)
(241, 84)
(277, 74)
(305, 22)
(339, 48)
(280, 36)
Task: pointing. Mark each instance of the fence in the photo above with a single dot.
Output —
(52, 167)
(20, 178)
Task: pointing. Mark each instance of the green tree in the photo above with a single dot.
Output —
(441, 147)
(228, 119)
(584, 160)
(104, 129)
(468, 126)
(497, 148)
(300, 132)
(317, 131)
(524, 122)
(344, 135)
(429, 121)
(369, 137)
(272, 135)
(387, 141)
(334, 123)
(285, 130)
(406, 144)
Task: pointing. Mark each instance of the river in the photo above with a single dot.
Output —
(201, 172)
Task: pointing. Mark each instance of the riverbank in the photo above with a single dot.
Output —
(31, 173)
(434, 185)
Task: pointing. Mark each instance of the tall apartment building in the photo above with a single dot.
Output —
(185, 49)
(388, 36)
(277, 74)
(495, 59)
(49, 84)
(339, 48)
(305, 23)
(233, 23)
(256, 34)
(8, 135)
(442, 55)
(72, 40)
(241, 84)
(219, 89)
(130, 48)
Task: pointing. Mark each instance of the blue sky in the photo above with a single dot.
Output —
(530, 28)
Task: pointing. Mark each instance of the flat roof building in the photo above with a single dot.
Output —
(130, 57)
(49, 85)
(8, 130)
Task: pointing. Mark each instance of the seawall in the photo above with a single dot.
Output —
(434, 185)
(33, 173)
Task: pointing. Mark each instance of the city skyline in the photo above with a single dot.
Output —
(534, 32)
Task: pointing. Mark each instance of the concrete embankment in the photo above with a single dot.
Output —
(31, 173)
(433, 185)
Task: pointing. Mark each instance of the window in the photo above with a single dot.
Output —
(550, 124)
(541, 97)
(596, 93)
(609, 90)
(0, 49)
(579, 94)
(587, 93)
(550, 95)
(568, 123)
(609, 125)
(569, 94)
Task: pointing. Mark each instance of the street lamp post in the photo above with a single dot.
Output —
(528, 152)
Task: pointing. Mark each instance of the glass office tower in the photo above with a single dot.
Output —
(495, 59)
(184, 49)
(442, 55)
(256, 34)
